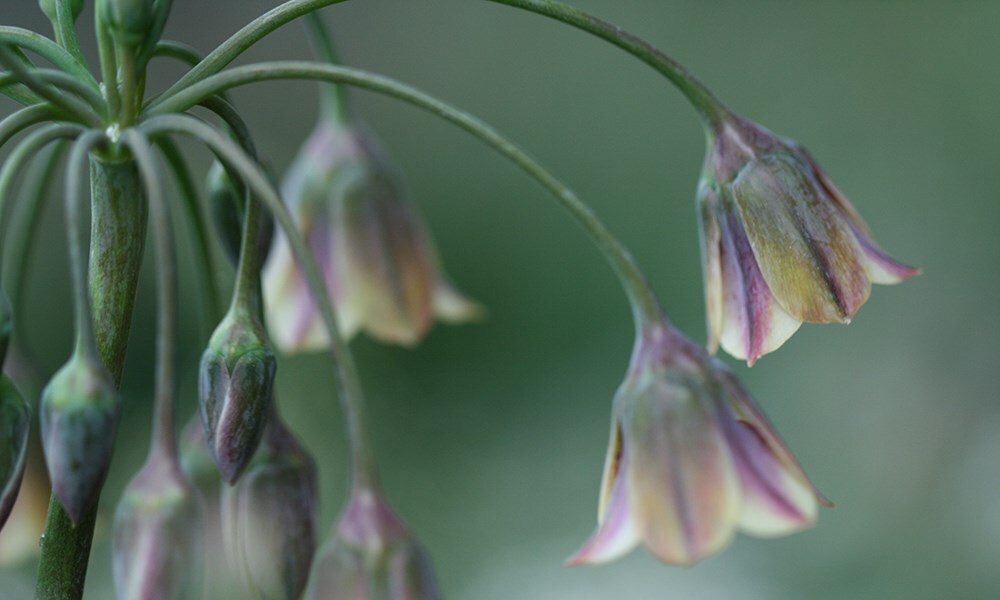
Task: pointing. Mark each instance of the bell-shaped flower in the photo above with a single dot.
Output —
(235, 386)
(378, 261)
(158, 545)
(692, 460)
(780, 244)
(372, 556)
(269, 517)
(15, 423)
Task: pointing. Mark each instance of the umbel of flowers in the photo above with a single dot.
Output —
(692, 457)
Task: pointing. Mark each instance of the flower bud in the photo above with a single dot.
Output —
(158, 535)
(227, 202)
(269, 517)
(6, 326)
(372, 556)
(128, 21)
(79, 417)
(235, 386)
(49, 8)
(15, 423)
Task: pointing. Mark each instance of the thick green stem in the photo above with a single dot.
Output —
(708, 106)
(645, 307)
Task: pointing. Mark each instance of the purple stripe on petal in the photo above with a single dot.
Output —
(617, 534)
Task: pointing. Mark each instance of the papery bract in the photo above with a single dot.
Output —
(377, 258)
(692, 459)
(780, 244)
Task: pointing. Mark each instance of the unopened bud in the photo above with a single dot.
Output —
(49, 8)
(235, 385)
(79, 417)
(269, 518)
(6, 326)
(15, 422)
(128, 21)
(372, 555)
(158, 535)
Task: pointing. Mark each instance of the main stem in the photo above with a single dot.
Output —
(704, 101)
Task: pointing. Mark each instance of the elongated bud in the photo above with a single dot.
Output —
(6, 326)
(158, 535)
(235, 386)
(49, 8)
(269, 517)
(79, 417)
(15, 422)
(128, 21)
(372, 555)
(227, 202)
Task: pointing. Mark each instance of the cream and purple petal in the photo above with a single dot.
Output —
(805, 250)
(681, 478)
(711, 241)
(617, 531)
(753, 322)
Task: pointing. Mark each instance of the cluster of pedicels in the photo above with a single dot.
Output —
(692, 458)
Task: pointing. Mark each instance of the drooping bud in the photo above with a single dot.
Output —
(49, 8)
(269, 517)
(79, 417)
(15, 423)
(128, 21)
(158, 534)
(235, 387)
(372, 556)
(6, 326)
(227, 202)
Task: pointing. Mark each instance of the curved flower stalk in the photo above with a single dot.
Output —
(692, 459)
(378, 260)
(372, 555)
(780, 244)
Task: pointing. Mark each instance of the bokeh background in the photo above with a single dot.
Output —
(492, 436)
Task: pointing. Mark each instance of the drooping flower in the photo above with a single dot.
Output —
(159, 534)
(372, 556)
(692, 460)
(378, 261)
(780, 244)
(269, 517)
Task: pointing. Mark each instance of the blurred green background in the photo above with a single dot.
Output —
(492, 437)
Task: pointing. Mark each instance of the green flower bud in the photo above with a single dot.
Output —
(235, 385)
(226, 201)
(79, 417)
(128, 21)
(15, 422)
(49, 8)
(269, 517)
(158, 544)
(6, 325)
